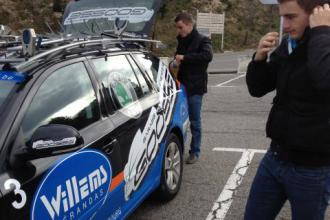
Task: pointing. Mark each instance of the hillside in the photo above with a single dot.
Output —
(246, 20)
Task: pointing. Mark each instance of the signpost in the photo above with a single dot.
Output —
(209, 23)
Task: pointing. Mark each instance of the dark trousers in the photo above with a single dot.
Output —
(195, 108)
(306, 188)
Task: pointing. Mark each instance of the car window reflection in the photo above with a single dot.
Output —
(66, 97)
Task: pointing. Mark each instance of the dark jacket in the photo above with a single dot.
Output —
(299, 121)
(197, 51)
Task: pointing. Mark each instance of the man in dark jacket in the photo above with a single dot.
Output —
(194, 52)
(297, 165)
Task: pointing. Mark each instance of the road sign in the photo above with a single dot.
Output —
(210, 23)
(214, 22)
(204, 31)
(269, 2)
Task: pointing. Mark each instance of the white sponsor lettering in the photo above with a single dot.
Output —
(72, 193)
(133, 15)
(115, 215)
(145, 144)
(41, 144)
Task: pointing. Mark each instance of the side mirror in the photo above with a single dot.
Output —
(58, 6)
(54, 139)
(49, 140)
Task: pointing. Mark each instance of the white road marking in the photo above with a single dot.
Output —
(223, 203)
(228, 81)
(239, 150)
(223, 86)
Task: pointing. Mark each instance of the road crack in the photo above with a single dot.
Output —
(222, 204)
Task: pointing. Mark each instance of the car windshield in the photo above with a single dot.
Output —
(5, 88)
(8, 81)
(96, 16)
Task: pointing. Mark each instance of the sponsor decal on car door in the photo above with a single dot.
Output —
(75, 188)
(146, 143)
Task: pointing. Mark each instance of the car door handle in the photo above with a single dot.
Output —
(108, 148)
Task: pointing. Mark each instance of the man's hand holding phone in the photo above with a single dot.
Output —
(266, 44)
(320, 16)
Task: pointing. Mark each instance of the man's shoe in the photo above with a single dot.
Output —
(192, 159)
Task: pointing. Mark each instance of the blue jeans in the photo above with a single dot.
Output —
(195, 108)
(307, 189)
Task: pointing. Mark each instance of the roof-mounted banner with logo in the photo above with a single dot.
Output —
(97, 16)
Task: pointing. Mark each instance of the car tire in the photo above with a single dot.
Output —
(171, 176)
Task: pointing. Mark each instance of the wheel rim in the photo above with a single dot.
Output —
(172, 166)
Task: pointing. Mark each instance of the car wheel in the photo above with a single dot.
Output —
(171, 169)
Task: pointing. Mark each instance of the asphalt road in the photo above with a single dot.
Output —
(232, 120)
(229, 62)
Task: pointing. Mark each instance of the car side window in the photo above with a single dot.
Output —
(117, 75)
(144, 85)
(150, 63)
(65, 97)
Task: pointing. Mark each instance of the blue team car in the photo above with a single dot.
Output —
(91, 122)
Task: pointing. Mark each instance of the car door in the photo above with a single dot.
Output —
(69, 185)
(144, 166)
(136, 101)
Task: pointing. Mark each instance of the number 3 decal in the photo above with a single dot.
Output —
(17, 190)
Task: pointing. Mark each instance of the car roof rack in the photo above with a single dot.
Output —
(80, 44)
(12, 47)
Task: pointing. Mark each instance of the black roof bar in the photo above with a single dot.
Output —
(103, 42)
